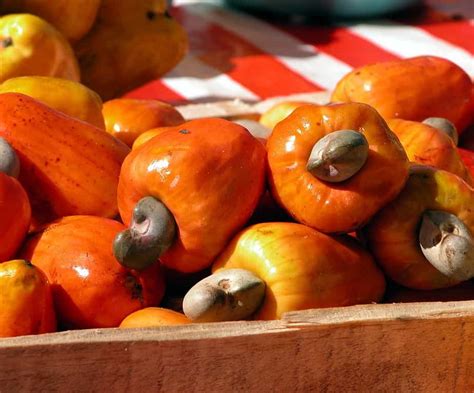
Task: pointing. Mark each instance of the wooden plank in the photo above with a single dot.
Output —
(417, 347)
(235, 108)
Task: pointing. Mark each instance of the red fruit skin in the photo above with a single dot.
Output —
(90, 288)
(68, 167)
(209, 173)
(411, 89)
(15, 216)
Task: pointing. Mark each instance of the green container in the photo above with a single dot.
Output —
(329, 8)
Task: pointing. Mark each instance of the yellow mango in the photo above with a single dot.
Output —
(31, 46)
(71, 98)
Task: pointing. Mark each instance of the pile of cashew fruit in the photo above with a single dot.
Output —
(124, 214)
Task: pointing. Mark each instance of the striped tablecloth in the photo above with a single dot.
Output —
(236, 55)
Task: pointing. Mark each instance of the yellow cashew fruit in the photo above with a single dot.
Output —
(73, 18)
(71, 98)
(31, 46)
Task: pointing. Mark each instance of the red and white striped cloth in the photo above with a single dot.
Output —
(236, 55)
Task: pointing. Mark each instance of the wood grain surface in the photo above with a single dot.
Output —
(416, 347)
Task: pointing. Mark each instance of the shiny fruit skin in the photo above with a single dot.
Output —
(147, 135)
(15, 216)
(393, 233)
(68, 167)
(411, 89)
(73, 18)
(334, 207)
(303, 268)
(154, 317)
(127, 118)
(210, 175)
(68, 97)
(90, 288)
(429, 146)
(26, 305)
(36, 48)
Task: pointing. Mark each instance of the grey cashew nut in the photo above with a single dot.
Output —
(9, 162)
(445, 126)
(448, 244)
(228, 295)
(151, 232)
(338, 156)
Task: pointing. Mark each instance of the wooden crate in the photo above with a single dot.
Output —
(412, 347)
(416, 347)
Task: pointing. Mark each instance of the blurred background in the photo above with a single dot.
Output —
(256, 49)
(342, 9)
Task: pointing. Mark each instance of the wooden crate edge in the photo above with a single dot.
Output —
(331, 317)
